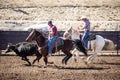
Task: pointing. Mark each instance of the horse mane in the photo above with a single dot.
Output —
(40, 33)
(42, 36)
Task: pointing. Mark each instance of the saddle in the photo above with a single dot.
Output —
(91, 37)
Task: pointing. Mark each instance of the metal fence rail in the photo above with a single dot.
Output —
(20, 36)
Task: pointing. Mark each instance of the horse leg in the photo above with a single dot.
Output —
(63, 60)
(67, 57)
(91, 58)
(74, 55)
(97, 49)
(39, 56)
(99, 44)
(45, 60)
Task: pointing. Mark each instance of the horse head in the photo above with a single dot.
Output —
(36, 36)
(67, 33)
(69, 30)
(71, 33)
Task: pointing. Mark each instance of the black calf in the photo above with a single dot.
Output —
(25, 49)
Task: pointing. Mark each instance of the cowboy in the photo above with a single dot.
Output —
(86, 28)
(53, 33)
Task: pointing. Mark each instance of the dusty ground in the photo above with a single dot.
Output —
(104, 68)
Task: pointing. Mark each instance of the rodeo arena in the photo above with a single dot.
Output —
(27, 26)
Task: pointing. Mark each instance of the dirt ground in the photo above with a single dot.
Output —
(103, 68)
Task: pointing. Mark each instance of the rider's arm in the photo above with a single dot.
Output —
(52, 32)
(80, 29)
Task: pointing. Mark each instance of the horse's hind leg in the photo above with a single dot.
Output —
(93, 56)
(66, 58)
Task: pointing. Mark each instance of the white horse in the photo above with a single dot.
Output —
(96, 45)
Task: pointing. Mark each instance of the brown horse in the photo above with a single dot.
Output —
(43, 48)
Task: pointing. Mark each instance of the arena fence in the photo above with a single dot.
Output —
(20, 36)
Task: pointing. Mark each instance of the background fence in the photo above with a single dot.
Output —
(20, 36)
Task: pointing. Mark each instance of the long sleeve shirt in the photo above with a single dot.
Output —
(86, 25)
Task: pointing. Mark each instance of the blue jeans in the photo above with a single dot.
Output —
(84, 38)
(51, 43)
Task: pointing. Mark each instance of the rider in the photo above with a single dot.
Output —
(86, 28)
(53, 33)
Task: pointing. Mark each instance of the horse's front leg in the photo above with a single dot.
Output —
(45, 60)
(91, 58)
(38, 57)
(74, 55)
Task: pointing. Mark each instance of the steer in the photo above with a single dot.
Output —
(24, 49)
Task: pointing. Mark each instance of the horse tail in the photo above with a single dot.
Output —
(109, 44)
(79, 46)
